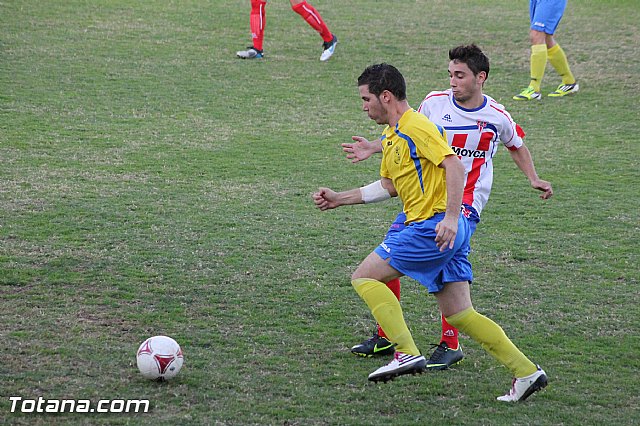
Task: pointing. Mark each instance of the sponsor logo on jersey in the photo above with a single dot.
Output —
(447, 117)
(463, 149)
(471, 153)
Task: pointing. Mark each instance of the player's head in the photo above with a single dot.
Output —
(468, 70)
(381, 86)
(471, 55)
(381, 77)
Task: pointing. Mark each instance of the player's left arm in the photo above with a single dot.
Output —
(447, 229)
(522, 157)
(380, 190)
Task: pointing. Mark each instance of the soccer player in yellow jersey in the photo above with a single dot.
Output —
(419, 167)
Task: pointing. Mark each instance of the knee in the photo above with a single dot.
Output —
(357, 275)
(537, 37)
(550, 41)
(360, 272)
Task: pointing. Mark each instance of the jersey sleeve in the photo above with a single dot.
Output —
(425, 106)
(434, 146)
(384, 171)
(511, 134)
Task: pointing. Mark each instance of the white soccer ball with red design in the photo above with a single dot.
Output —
(159, 358)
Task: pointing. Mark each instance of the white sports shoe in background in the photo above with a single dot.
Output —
(328, 48)
(250, 53)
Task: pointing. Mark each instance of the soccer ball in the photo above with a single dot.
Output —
(159, 358)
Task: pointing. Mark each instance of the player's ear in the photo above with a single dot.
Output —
(481, 77)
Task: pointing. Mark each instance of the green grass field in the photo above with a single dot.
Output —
(152, 183)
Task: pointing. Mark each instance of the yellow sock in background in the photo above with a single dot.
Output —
(492, 338)
(538, 64)
(558, 60)
(387, 311)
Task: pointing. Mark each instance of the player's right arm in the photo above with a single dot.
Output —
(447, 229)
(361, 149)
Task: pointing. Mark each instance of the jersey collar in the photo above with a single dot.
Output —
(404, 118)
(484, 103)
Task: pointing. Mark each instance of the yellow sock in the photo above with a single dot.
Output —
(387, 311)
(492, 338)
(558, 60)
(538, 64)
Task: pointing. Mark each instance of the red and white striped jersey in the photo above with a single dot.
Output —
(474, 134)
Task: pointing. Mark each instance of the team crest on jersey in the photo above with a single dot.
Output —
(447, 117)
(481, 125)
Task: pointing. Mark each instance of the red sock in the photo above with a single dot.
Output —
(449, 334)
(313, 18)
(394, 286)
(257, 22)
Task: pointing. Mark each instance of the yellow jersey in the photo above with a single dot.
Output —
(411, 153)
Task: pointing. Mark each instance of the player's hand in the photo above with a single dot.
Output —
(544, 186)
(446, 231)
(360, 150)
(325, 199)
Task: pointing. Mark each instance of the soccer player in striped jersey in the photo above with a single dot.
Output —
(476, 125)
(545, 16)
(258, 20)
(420, 167)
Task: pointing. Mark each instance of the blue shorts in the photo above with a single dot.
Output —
(469, 212)
(546, 14)
(413, 252)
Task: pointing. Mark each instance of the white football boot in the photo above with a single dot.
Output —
(524, 387)
(401, 364)
(250, 53)
(328, 47)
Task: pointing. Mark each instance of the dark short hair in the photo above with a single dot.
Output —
(471, 55)
(381, 77)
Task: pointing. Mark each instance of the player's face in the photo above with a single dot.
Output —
(464, 85)
(372, 106)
